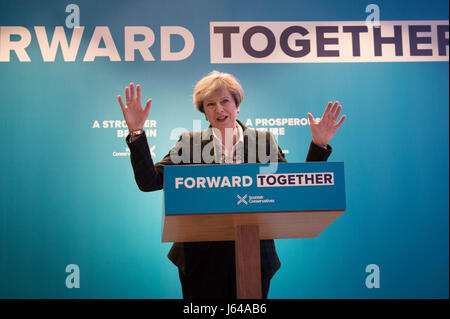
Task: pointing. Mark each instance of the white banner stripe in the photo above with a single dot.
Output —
(328, 41)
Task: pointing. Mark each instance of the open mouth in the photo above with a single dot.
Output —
(221, 118)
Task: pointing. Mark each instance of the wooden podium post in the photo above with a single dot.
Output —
(248, 262)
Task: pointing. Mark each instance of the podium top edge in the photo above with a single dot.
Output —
(261, 212)
(278, 163)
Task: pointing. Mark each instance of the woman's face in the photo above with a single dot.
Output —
(220, 109)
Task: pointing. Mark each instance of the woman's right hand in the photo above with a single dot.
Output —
(134, 114)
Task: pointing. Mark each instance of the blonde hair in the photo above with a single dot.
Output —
(215, 81)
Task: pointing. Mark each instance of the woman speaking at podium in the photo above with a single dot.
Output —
(207, 269)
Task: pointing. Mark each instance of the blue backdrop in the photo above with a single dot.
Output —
(68, 195)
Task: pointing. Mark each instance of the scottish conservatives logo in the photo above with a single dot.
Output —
(258, 199)
(242, 199)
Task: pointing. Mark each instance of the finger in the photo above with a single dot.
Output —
(339, 108)
(333, 109)
(127, 94)
(132, 91)
(340, 122)
(138, 93)
(121, 103)
(147, 106)
(311, 119)
(327, 109)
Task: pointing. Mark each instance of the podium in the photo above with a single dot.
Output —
(248, 203)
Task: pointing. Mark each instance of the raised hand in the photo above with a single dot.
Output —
(323, 130)
(134, 114)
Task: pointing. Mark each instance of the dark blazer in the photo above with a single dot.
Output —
(150, 177)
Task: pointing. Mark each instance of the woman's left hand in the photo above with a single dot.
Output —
(323, 130)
